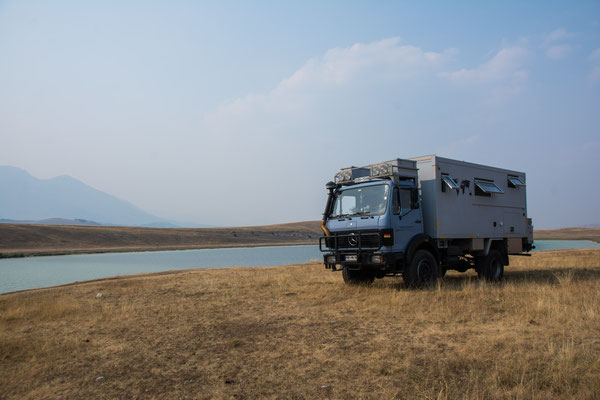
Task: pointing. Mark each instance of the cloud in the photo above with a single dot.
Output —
(595, 56)
(389, 58)
(558, 34)
(559, 51)
(554, 50)
(375, 81)
(373, 63)
(506, 65)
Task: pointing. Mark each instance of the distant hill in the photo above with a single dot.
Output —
(24, 240)
(592, 234)
(26, 198)
(51, 221)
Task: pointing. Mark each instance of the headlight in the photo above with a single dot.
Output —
(381, 169)
(343, 176)
(331, 259)
(377, 259)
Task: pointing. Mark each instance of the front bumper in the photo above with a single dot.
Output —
(357, 260)
(360, 249)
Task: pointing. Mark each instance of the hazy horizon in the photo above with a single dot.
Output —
(228, 113)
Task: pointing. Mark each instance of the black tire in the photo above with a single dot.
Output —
(357, 277)
(422, 270)
(491, 267)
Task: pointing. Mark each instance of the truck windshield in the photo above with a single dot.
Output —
(368, 200)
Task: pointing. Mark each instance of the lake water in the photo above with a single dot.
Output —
(34, 272)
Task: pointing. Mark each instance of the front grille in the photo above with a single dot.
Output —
(368, 240)
(351, 241)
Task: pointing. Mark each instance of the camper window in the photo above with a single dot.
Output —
(486, 188)
(515, 181)
(449, 182)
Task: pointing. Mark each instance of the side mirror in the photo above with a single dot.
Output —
(414, 198)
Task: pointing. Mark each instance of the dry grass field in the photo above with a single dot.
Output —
(298, 332)
(30, 240)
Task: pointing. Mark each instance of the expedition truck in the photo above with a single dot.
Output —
(423, 216)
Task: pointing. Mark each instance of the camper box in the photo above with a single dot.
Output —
(466, 200)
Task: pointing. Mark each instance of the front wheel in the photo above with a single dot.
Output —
(422, 270)
(357, 277)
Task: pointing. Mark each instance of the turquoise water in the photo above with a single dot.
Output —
(541, 245)
(34, 272)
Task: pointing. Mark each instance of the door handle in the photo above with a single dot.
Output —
(418, 221)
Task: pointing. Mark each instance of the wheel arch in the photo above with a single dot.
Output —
(421, 242)
(500, 245)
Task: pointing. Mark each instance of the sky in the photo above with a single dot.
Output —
(237, 113)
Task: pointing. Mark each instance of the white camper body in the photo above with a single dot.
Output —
(462, 200)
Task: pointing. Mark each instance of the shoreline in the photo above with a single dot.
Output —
(123, 277)
(17, 253)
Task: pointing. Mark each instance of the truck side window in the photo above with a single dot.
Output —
(405, 199)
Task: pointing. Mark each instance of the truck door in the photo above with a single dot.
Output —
(406, 221)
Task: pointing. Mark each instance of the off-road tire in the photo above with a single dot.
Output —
(357, 277)
(423, 270)
(491, 267)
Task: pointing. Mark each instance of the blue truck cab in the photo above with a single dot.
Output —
(372, 218)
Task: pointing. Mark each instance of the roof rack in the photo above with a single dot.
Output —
(396, 170)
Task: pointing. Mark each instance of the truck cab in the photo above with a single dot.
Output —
(373, 215)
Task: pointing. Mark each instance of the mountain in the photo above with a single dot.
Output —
(24, 197)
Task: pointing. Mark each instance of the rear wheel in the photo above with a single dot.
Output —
(423, 270)
(491, 267)
(357, 276)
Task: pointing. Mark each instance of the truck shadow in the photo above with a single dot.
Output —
(550, 277)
